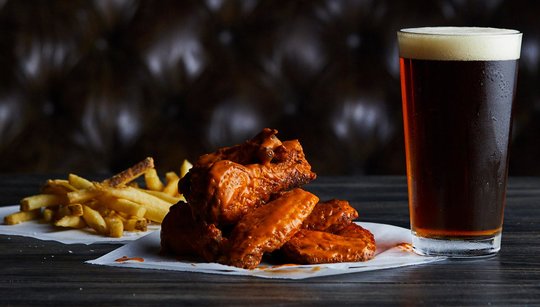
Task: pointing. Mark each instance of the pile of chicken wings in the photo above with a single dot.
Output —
(246, 201)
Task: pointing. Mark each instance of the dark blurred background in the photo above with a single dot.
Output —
(94, 86)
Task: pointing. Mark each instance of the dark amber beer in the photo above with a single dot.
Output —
(458, 87)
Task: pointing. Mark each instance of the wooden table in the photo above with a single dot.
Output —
(37, 272)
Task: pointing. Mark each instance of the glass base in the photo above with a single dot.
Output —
(457, 247)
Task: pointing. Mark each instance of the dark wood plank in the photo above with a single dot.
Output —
(37, 272)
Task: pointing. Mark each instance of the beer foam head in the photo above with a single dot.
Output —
(459, 44)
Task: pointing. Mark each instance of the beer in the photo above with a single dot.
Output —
(458, 87)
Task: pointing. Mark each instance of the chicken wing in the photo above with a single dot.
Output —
(353, 243)
(267, 228)
(183, 235)
(330, 216)
(225, 185)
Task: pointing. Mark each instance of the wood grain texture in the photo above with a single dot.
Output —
(34, 272)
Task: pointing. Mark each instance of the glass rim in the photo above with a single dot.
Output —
(488, 31)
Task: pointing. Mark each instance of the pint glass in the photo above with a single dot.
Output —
(458, 87)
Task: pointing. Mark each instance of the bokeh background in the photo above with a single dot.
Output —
(94, 86)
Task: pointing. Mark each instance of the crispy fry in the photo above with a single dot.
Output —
(127, 206)
(94, 219)
(152, 180)
(47, 215)
(57, 186)
(131, 173)
(156, 208)
(184, 168)
(139, 224)
(172, 184)
(22, 216)
(42, 200)
(79, 182)
(75, 209)
(122, 216)
(164, 196)
(115, 226)
(81, 196)
(70, 221)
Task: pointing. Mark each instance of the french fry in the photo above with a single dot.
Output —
(164, 196)
(156, 208)
(140, 224)
(121, 216)
(79, 182)
(42, 200)
(172, 184)
(115, 226)
(152, 180)
(57, 186)
(184, 168)
(47, 215)
(130, 174)
(21, 216)
(75, 209)
(94, 219)
(70, 221)
(81, 196)
(127, 206)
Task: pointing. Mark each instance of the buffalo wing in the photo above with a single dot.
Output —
(353, 243)
(330, 216)
(267, 228)
(225, 185)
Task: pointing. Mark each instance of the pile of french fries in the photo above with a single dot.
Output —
(110, 207)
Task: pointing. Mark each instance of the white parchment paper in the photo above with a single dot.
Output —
(393, 250)
(45, 231)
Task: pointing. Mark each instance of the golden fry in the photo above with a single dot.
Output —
(140, 224)
(152, 180)
(95, 220)
(184, 168)
(116, 227)
(48, 214)
(21, 216)
(42, 200)
(164, 196)
(79, 182)
(127, 206)
(57, 186)
(75, 209)
(172, 184)
(70, 221)
(130, 174)
(81, 196)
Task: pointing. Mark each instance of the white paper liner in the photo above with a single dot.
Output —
(46, 231)
(393, 250)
